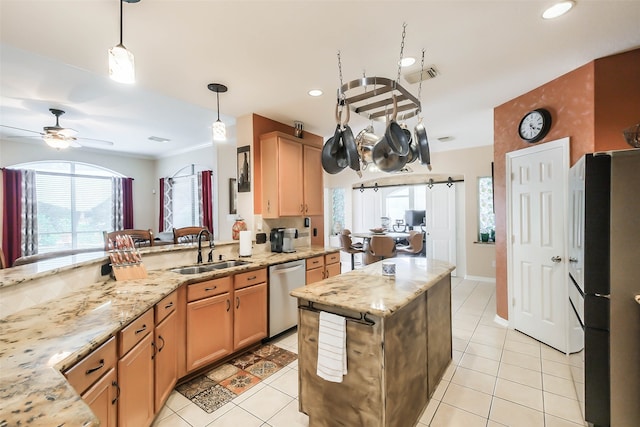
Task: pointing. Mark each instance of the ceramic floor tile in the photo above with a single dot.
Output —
(556, 369)
(562, 407)
(549, 353)
(473, 379)
(462, 334)
(459, 344)
(164, 413)
(484, 350)
(172, 420)
(456, 356)
(468, 399)
(440, 390)
(551, 421)
(512, 414)
(493, 341)
(237, 417)
(557, 385)
(195, 416)
(247, 394)
(481, 364)
(448, 416)
(531, 349)
(177, 401)
(519, 393)
(513, 335)
(429, 412)
(522, 360)
(287, 383)
(520, 375)
(289, 416)
(266, 403)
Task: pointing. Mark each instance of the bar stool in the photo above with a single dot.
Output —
(347, 246)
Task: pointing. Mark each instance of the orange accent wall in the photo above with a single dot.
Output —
(591, 105)
(262, 125)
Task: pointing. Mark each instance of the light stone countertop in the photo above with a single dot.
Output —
(367, 291)
(37, 343)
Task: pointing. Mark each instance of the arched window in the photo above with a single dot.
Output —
(75, 204)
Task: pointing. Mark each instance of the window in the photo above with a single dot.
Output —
(402, 199)
(186, 209)
(73, 204)
(486, 216)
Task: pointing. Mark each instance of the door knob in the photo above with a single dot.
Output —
(556, 259)
(572, 259)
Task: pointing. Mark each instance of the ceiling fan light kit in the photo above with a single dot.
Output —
(218, 128)
(121, 62)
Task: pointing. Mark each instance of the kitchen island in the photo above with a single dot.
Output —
(398, 343)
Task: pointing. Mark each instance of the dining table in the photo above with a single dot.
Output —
(366, 235)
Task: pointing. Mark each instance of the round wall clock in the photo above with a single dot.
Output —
(535, 125)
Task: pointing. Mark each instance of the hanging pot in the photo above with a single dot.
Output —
(349, 143)
(423, 144)
(385, 158)
(365, 140)
(413, 154)
(334, 158)
(395, 136)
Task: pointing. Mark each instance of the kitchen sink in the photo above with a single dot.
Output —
(203, 268)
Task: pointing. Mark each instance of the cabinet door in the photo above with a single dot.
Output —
(135, 376)
(290, 178)
(209, 330)
(315, 275)
(312, 182)
(250, 316)
(332, 269)
(166, 360)
(102, 398)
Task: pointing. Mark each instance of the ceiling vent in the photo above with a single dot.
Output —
(429, 73)
(158, 139)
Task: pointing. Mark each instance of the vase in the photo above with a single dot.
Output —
(237, 227)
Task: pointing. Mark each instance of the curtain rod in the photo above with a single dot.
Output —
(429, 184)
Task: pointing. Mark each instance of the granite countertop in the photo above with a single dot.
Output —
(40, 342)
(367, 291)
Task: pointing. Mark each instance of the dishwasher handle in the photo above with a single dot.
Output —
(287, 269)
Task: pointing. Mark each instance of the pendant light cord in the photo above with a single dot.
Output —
(218, 103)
(121, 2)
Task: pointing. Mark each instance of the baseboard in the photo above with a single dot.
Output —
(500, 321)
(480, 278)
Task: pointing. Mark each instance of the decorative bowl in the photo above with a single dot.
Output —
(378, 230)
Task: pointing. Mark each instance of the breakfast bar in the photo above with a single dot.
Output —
(398, 343)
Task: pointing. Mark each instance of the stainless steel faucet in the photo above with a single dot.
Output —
(211, 246)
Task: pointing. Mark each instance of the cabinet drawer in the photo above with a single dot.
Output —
(249, 278)
(332, 258)
(84, 373)
(209, 288)
(134, 332)
(166, 306)
(315, 262)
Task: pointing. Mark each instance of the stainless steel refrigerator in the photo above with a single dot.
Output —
(604, 280)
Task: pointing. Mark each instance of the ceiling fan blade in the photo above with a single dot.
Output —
(91, 142)
(26, 130)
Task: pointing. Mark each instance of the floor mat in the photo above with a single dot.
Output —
(215, 388)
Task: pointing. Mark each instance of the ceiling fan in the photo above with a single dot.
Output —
(59, 137)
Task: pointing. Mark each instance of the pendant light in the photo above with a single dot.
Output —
(219, 130)
(121, 63)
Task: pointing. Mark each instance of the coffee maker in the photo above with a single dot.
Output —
(282, 239)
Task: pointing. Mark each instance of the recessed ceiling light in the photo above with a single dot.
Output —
(315, 92)
(558, 9)
(407, 62)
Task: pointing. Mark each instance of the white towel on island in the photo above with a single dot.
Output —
(332, 347)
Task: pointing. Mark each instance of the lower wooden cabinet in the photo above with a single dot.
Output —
(209, 330)
(166, 358)
(103, 398)
(250, 315)
(136, 379)
(332, 264)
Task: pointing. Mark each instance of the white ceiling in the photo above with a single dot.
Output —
(270, 53)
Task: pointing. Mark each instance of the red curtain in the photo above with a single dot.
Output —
(207, 204)
(127, 203)
(161, 224)
(12, 218)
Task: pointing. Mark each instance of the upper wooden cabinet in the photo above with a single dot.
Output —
(291, 176)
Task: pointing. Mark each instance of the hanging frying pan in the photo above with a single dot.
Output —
(396, 138)
(385, 158)
(413, 154)
(349, 143)
(334, 162)
(423, 144)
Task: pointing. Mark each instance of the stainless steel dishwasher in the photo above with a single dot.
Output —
(283, 308)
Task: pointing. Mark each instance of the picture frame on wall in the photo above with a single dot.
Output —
(244, 169)
(233, 196)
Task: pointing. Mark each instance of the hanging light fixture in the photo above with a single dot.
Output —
(121, 65)
(219, 130)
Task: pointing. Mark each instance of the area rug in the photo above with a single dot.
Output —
(215, 388)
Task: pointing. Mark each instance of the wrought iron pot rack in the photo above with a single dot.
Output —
(377, 97)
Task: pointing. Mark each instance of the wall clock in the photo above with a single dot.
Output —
(535, 125)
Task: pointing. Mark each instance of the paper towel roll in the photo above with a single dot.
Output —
(245, 243)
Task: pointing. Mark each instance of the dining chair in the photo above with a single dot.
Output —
(416, 243)
(379, 248)
(140, 237)
(347, 232)
(348, 247)
(188, 234)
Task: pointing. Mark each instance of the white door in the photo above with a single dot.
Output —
(537, 182)
(441, 223)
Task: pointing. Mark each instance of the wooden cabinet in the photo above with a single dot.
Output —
(136, 379)
(315, 269)
(209, 322)
(332, 264)
(291, 176)
(250, 308)
(166, 343)
(94, 378)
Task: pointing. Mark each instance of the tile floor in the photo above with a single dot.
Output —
(499, 377)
